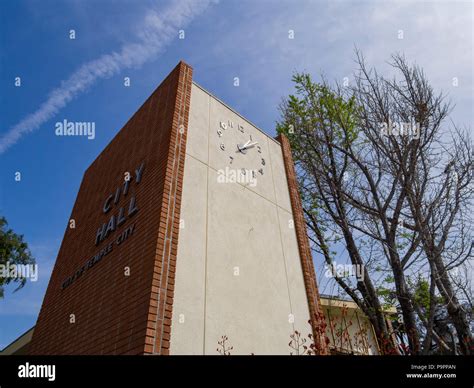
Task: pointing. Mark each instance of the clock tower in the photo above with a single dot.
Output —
(189, 227)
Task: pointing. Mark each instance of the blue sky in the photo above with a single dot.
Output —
(223, 40)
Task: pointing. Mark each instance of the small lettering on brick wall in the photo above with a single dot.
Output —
(117, 219)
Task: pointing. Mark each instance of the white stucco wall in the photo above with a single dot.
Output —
(238, 269)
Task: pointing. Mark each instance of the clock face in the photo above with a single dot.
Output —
(243, 152)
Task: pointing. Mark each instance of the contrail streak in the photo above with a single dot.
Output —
(157, 30)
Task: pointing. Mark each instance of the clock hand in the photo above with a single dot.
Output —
(246, 145)
(242, 147)
(251, 145)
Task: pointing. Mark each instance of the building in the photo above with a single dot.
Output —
(19, 347)
(187, 227)
(348, 330)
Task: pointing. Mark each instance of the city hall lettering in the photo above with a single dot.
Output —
(116, 220)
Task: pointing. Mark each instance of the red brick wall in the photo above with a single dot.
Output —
(312, 292)
(115, 313)
(162, 291)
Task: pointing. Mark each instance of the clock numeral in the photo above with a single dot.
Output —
(231, 159)
(254, 175)
(241, 128)
(219, 132)
(222, 146)
(223, 125)
(251, 138)
(243, 171)
(261, 171)
(259, 149)
(231, 124)
(263, 162)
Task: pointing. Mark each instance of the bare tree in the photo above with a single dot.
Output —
(381, 179)
(439, 189)
(432, 167)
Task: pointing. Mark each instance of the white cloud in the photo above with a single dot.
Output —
(156, 31)
(437, 36)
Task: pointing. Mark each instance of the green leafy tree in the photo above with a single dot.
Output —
(383, 180)
(322, 127)
(13, 251)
